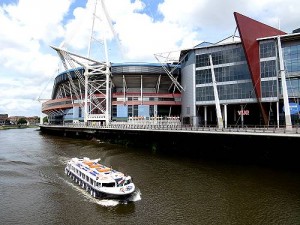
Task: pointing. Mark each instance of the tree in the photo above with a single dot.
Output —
(22, 121)
(45, 119)
(7, 122)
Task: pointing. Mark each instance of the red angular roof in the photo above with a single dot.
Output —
(250, 30)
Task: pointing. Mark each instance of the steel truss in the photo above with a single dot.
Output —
(170, 58)
(91, 91)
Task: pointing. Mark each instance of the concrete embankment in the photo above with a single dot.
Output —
(240, 147)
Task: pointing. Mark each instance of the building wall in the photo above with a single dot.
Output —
(188, 107)
(235, 86)
(3, 118)
(231, 72)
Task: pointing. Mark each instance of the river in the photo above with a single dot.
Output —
(170, 189)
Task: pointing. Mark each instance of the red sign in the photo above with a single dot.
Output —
(243, 112)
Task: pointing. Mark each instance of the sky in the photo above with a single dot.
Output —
(140, 30)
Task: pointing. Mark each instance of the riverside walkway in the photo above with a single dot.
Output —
(234, 130)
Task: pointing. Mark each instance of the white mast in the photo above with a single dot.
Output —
(217, 102)
(86, 74)
(107, 72)
(107, 68)
(288, 122)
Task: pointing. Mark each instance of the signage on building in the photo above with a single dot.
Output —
(244, 112)
(294, 108)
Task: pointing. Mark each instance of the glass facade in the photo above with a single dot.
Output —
(267, 49)
(233, 76)
(235, 54)
(293, 87)
(291, 55)
(223, 74)
(231, 73)
(268, 69)
(269, 88)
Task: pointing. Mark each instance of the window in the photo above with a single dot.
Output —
(127, 182)
(291, 55)
(108, 184)
(267, 49)
(221, 57)
(268, 69)
(269, 88)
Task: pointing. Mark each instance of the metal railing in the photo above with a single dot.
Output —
(179, 127)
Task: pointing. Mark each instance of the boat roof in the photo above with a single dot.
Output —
(99, 172)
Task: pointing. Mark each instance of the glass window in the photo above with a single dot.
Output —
(226, 92)
(291, 55)
(221, 57)
(223, 74)
(108, 184)
(236, 91)
(135, 110)
(268, 69)
(232, 73)
(293, 87)
(130, 114)
(202, 60)
(205, 93)
(269, 88)
(267, 49)
(203, 76)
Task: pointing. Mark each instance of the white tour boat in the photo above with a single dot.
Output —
(99, 180)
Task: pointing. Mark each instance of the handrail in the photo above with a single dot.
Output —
(177, 127)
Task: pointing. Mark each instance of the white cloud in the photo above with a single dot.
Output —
(27, 61)
(29, 27)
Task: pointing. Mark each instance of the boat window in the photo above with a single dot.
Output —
(108, 184)
(120, 185)
(127, 182)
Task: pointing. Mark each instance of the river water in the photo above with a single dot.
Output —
(171, 189)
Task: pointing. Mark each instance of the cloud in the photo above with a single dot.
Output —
(29, 27)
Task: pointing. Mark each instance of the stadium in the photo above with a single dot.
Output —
(248, 79)
(137, 91)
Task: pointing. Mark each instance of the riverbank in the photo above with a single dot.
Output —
(6, 127)
(270, 148)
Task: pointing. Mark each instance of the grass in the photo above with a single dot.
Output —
(6, 127)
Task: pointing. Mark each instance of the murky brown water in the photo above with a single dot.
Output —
(173, 190)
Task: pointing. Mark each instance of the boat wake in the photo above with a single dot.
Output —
(113, 202)
(108, 202)
(136, 196)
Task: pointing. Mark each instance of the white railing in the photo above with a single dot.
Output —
(166, 125)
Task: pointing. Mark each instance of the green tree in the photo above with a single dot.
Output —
(7, 122)
(45, 119)
(22, 121)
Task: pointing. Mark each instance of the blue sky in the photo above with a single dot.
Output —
(143, 27)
